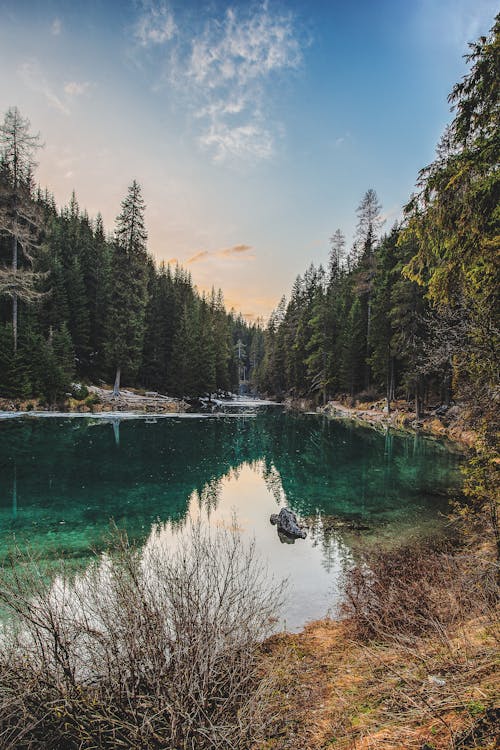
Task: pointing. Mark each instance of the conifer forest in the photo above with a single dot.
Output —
(408, 311)
(230, 530)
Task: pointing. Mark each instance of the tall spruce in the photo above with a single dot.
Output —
(128, 298)
(369, 224)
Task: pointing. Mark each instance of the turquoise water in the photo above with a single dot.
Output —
(62, 480)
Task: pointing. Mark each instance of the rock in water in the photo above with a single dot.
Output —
(287, 524)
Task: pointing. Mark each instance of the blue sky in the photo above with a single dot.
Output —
(253, 128)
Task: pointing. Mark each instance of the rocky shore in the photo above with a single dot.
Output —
(450, 423)
(95, 399)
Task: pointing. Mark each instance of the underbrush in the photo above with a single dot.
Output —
(418, 589)
(411, 665)
(147, 649)
(424, 624)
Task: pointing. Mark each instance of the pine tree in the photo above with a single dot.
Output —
(353, 349)
(454, 222)
(14, 377)
(383, 352)
(78, 321)
(62, 345)
(126, 321)
(206, 365)
(369, 224)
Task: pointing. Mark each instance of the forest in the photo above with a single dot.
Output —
(410, 313)
(78, 303)
(154, 644)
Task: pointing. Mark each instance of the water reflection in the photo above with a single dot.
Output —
(62, 480)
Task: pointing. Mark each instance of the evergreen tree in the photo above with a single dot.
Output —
(383, 351)
(454, 221)
(369, 224)
(128, 299)
(14, 376)
(353, 349)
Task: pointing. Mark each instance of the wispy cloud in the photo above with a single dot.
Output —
(34, 78)
(76, 88)
(236, 251)
(392, 215)
(454, 22)
(156, 24)
(197, 257)
(224, 66)
(56, 27)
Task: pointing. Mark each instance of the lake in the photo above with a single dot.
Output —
(63, 479)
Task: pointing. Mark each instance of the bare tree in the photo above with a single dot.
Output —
(20, 217)
(150, 649)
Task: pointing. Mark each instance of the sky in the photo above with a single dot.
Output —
(254, 128)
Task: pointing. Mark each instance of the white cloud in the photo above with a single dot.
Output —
(33, 77)
(76, 88)
(224, 67)
(343, 140)
(248, 141)
(229, 68)
(155, 26)
(244, 49)
(56, 26)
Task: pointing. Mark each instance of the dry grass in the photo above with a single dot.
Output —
(337, 693)
(424, 679)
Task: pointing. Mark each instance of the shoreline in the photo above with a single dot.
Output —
(452, 426)
(100, 402)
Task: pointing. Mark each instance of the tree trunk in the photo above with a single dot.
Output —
(14, 295)
(368, 333)
(324, 378)
(419, 406)
(116, 387)
(390, 383)
(447, 385)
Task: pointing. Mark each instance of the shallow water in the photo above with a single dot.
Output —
(62, 480)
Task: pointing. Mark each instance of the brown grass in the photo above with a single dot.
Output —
(421, 675)
(337, 693)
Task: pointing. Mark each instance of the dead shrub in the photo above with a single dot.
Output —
(417, 588)
(146, 649)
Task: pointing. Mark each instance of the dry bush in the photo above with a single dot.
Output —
(151, 649)
(416, 589)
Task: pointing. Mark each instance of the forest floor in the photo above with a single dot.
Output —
(432, 693)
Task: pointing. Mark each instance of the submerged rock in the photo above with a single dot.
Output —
(329, 524)
(287, 524)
